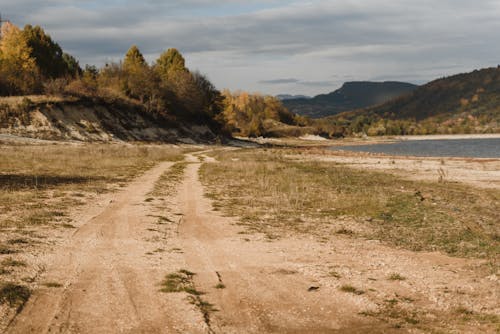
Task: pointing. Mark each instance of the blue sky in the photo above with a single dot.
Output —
(297, 47)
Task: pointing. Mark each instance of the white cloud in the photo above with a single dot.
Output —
(267, 40)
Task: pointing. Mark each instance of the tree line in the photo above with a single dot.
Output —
(32, 63)
(28, 58)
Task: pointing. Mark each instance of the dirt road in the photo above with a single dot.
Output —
(109, 284)
(110, 277)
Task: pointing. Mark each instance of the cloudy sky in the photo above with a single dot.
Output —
(280, 46)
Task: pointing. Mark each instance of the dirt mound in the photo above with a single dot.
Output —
(93, 120)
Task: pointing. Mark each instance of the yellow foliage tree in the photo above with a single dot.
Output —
(17, 68)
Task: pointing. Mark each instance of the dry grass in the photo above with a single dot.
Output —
(169, 180)
(16, 100)
(275, 195)
(40, 184)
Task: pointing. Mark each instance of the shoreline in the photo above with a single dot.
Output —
(448, 137)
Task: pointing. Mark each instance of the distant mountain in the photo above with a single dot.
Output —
(463, 103)
(351, 96)
(284, 97)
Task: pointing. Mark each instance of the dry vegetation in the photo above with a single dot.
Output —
(278, 196)
(365, 229)
(40, 185)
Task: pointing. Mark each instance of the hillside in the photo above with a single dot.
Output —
(463, 103)
(85, 119)
(351, 96)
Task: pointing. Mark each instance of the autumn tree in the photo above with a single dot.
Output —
(134, 60)
(137, 73)
(18, 68)
(169, 63)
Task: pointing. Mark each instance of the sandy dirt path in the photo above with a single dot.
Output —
(268, 283)
(109, 283)
(261, 294)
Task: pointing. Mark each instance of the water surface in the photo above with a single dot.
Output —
(471, 148)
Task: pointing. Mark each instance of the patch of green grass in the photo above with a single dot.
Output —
(344, 231)
(220, 286)
(18, 241)
(463, 310)
(169, 180)
(52, 285)
(14, 295)
(181, 281)
(4, 271)
(351, 289)
(334, 274)
(6, 250)
(396, 277)
(10, 262)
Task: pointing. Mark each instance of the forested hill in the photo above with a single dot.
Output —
(463, 103)
(44, 93)
(351, 96)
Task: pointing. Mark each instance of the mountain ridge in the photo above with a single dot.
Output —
(351, 96)
(461, 103)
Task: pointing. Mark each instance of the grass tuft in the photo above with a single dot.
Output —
(396, 277)
(10, 262)
(14, 295)
(351, 289)
(52, 285)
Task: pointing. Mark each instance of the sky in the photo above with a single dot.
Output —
(279, 46)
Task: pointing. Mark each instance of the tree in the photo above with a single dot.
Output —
(134, 60)
(136, 74)
(170, 62)
(211, 98)
(17, 67)
(48, 55)
(72, 66)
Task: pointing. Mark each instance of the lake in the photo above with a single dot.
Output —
(471, 148)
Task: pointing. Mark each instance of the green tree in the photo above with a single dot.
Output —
(72, 65)
(134, 60)
(49, 57)
(136, 72)
(170, 62)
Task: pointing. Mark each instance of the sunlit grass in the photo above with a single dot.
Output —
(276, 195)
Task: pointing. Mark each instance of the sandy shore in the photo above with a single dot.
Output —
(482, 173)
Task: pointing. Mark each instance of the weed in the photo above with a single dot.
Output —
(396, 277)
(10, 262)
(463, 310)
(6, 250)
(22, 241)
(14, 295)
(52, 285)
(181, 281)
(334, 274)
(169, 180)
(220, 286)
(344, 231)
(351, 289)
(4, 271)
